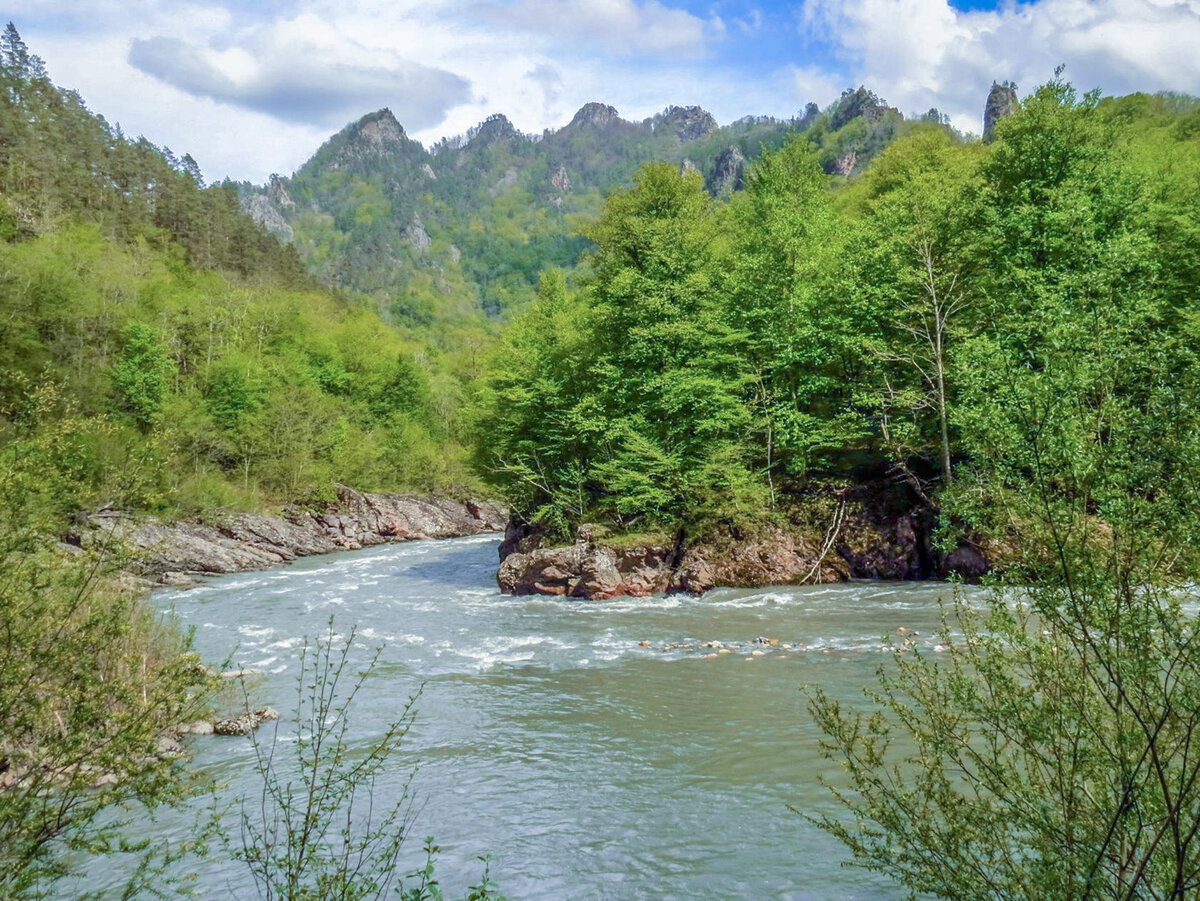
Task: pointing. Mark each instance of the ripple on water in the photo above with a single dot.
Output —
(255, 631)
(548, 735)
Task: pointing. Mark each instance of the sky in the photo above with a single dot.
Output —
(252, 87)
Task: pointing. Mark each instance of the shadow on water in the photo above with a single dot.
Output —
(461, 568)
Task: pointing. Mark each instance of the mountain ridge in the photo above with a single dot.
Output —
(464, 227)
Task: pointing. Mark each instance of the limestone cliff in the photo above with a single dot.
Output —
(688, 123)
(727, 172)
(1001, 101)
(594, 115)
(260, 208)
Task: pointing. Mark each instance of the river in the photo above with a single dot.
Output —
(587, 764)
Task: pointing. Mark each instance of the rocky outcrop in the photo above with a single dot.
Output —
(377, 139)
(844, 164)
(585, 570)
(688, 123)
(727, 172)
(1001, 101)
(859, 102)
(492, 130)
(279, 195)
(173, 552)
(260, 208)
(595, 571)
(595, 115)
(380, 129)
(865, 532)
(415, 235)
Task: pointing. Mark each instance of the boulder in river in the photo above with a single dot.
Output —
(246, 722)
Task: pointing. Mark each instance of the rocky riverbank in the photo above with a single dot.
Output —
(177, 552)
(864, 534)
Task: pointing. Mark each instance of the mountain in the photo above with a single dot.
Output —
(445, 234)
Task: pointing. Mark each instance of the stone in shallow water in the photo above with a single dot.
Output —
(246, 723)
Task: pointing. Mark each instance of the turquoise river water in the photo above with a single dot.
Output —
(587, 764)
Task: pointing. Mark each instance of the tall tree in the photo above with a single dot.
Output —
(668, 366)
(788, 289)
(919, 217)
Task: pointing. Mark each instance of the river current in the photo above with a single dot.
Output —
(569, 740)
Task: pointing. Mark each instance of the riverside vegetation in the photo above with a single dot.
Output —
(161, 353)
(1003, 330)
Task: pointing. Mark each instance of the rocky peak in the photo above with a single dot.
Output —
(727, 172)
(595, 115)
(1001, 101)
(690, 123)
(491, 130)
(380, 128)
(858, 102)
(277, 193)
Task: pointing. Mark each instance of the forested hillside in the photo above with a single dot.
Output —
(684, 338)
(720, 359)
(201, 364)
(159, 353)
(440, 236)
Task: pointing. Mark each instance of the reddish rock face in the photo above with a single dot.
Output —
(586, 570)
(880, 534)
(597, 572)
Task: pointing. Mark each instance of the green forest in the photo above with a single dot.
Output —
(711, 361)
(204, 366)
(433, 236)
(627, 325)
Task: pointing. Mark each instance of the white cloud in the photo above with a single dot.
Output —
(622, 27)
(923, 53)
(549, 79)
(815, 85)
(225, 73)
(302, 70)
(751, 23)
